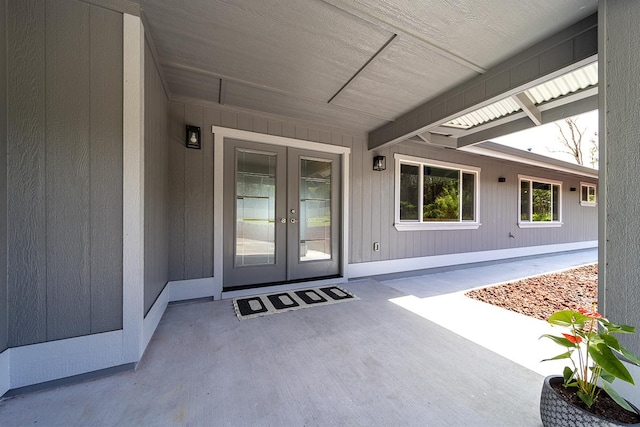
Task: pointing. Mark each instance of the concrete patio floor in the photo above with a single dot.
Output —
(397, 356)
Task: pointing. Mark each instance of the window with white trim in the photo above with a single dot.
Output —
(435, 195)
(539, 203)
(588, 194)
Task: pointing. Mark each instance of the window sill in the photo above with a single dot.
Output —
(421, 226)
(591, 204)
(540, 224)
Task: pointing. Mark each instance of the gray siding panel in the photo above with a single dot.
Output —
(194, 191)
(27, 286)
(156, 210)
(498, 211)
(372, 196)
(4, 307)
(106, 157)
(176, 190)
(64, 170)
(192, 177)
(207, 196)
(67, 169)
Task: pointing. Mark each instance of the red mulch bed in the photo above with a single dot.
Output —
(542, 296)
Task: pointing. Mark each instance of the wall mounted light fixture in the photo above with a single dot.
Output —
(193, 137)
(379, 163)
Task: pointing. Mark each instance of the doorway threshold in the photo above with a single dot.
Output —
(250, 290)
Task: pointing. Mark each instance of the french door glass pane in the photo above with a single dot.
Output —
(315, 210)
(255, 208)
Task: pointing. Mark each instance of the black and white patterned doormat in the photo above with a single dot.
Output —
(279, 302)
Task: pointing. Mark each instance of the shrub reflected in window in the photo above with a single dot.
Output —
(409, 182)
(539, 201)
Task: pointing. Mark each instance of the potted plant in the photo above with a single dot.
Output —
(583, 395)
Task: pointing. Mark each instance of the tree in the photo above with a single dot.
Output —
(571, 138)
(593, 151)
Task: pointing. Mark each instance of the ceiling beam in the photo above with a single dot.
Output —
(528, 107)
(439, 140)
(563, 52)
(517, 122)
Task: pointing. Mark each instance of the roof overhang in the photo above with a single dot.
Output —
(512, 82)
(499, 151)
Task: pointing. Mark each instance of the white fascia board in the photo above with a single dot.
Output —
(528, 161)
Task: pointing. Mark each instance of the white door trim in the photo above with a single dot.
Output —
(219, 135)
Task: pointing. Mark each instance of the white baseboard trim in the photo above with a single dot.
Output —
(5, 377)
(181, 290)
(39, 363)
(366, 269)
(152, 319)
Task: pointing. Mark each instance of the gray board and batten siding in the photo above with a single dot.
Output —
(372, 193)
(4, 306)
(192, 178)
(156, 190)
(64, 170)
(373, 210)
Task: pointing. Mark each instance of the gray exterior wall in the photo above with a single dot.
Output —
(619, 278)
(192, 176)
(64, 175)
(4, 307)
(372, 209)
(372, 194)
(156, 194)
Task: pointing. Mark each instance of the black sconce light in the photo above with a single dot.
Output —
(379, 163)
(193, 137)
(502, 179)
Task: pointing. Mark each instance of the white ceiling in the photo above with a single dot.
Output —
(374, 59)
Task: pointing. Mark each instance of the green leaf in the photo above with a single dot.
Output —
(632, 358)
(586, 398)
(568, 318)
(606, 376)
(559, 340)
(611, 341)
(568, 374)
(566, 355)
(603, 356)
(617, 398)
(620, 329)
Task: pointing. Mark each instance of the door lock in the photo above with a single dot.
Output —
(293, 211)
(293, 220)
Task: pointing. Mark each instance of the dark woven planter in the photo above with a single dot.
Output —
(555, 411)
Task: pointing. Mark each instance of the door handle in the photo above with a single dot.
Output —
(283, 220)
(293, 220)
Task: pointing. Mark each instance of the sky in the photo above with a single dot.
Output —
(544, 139)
